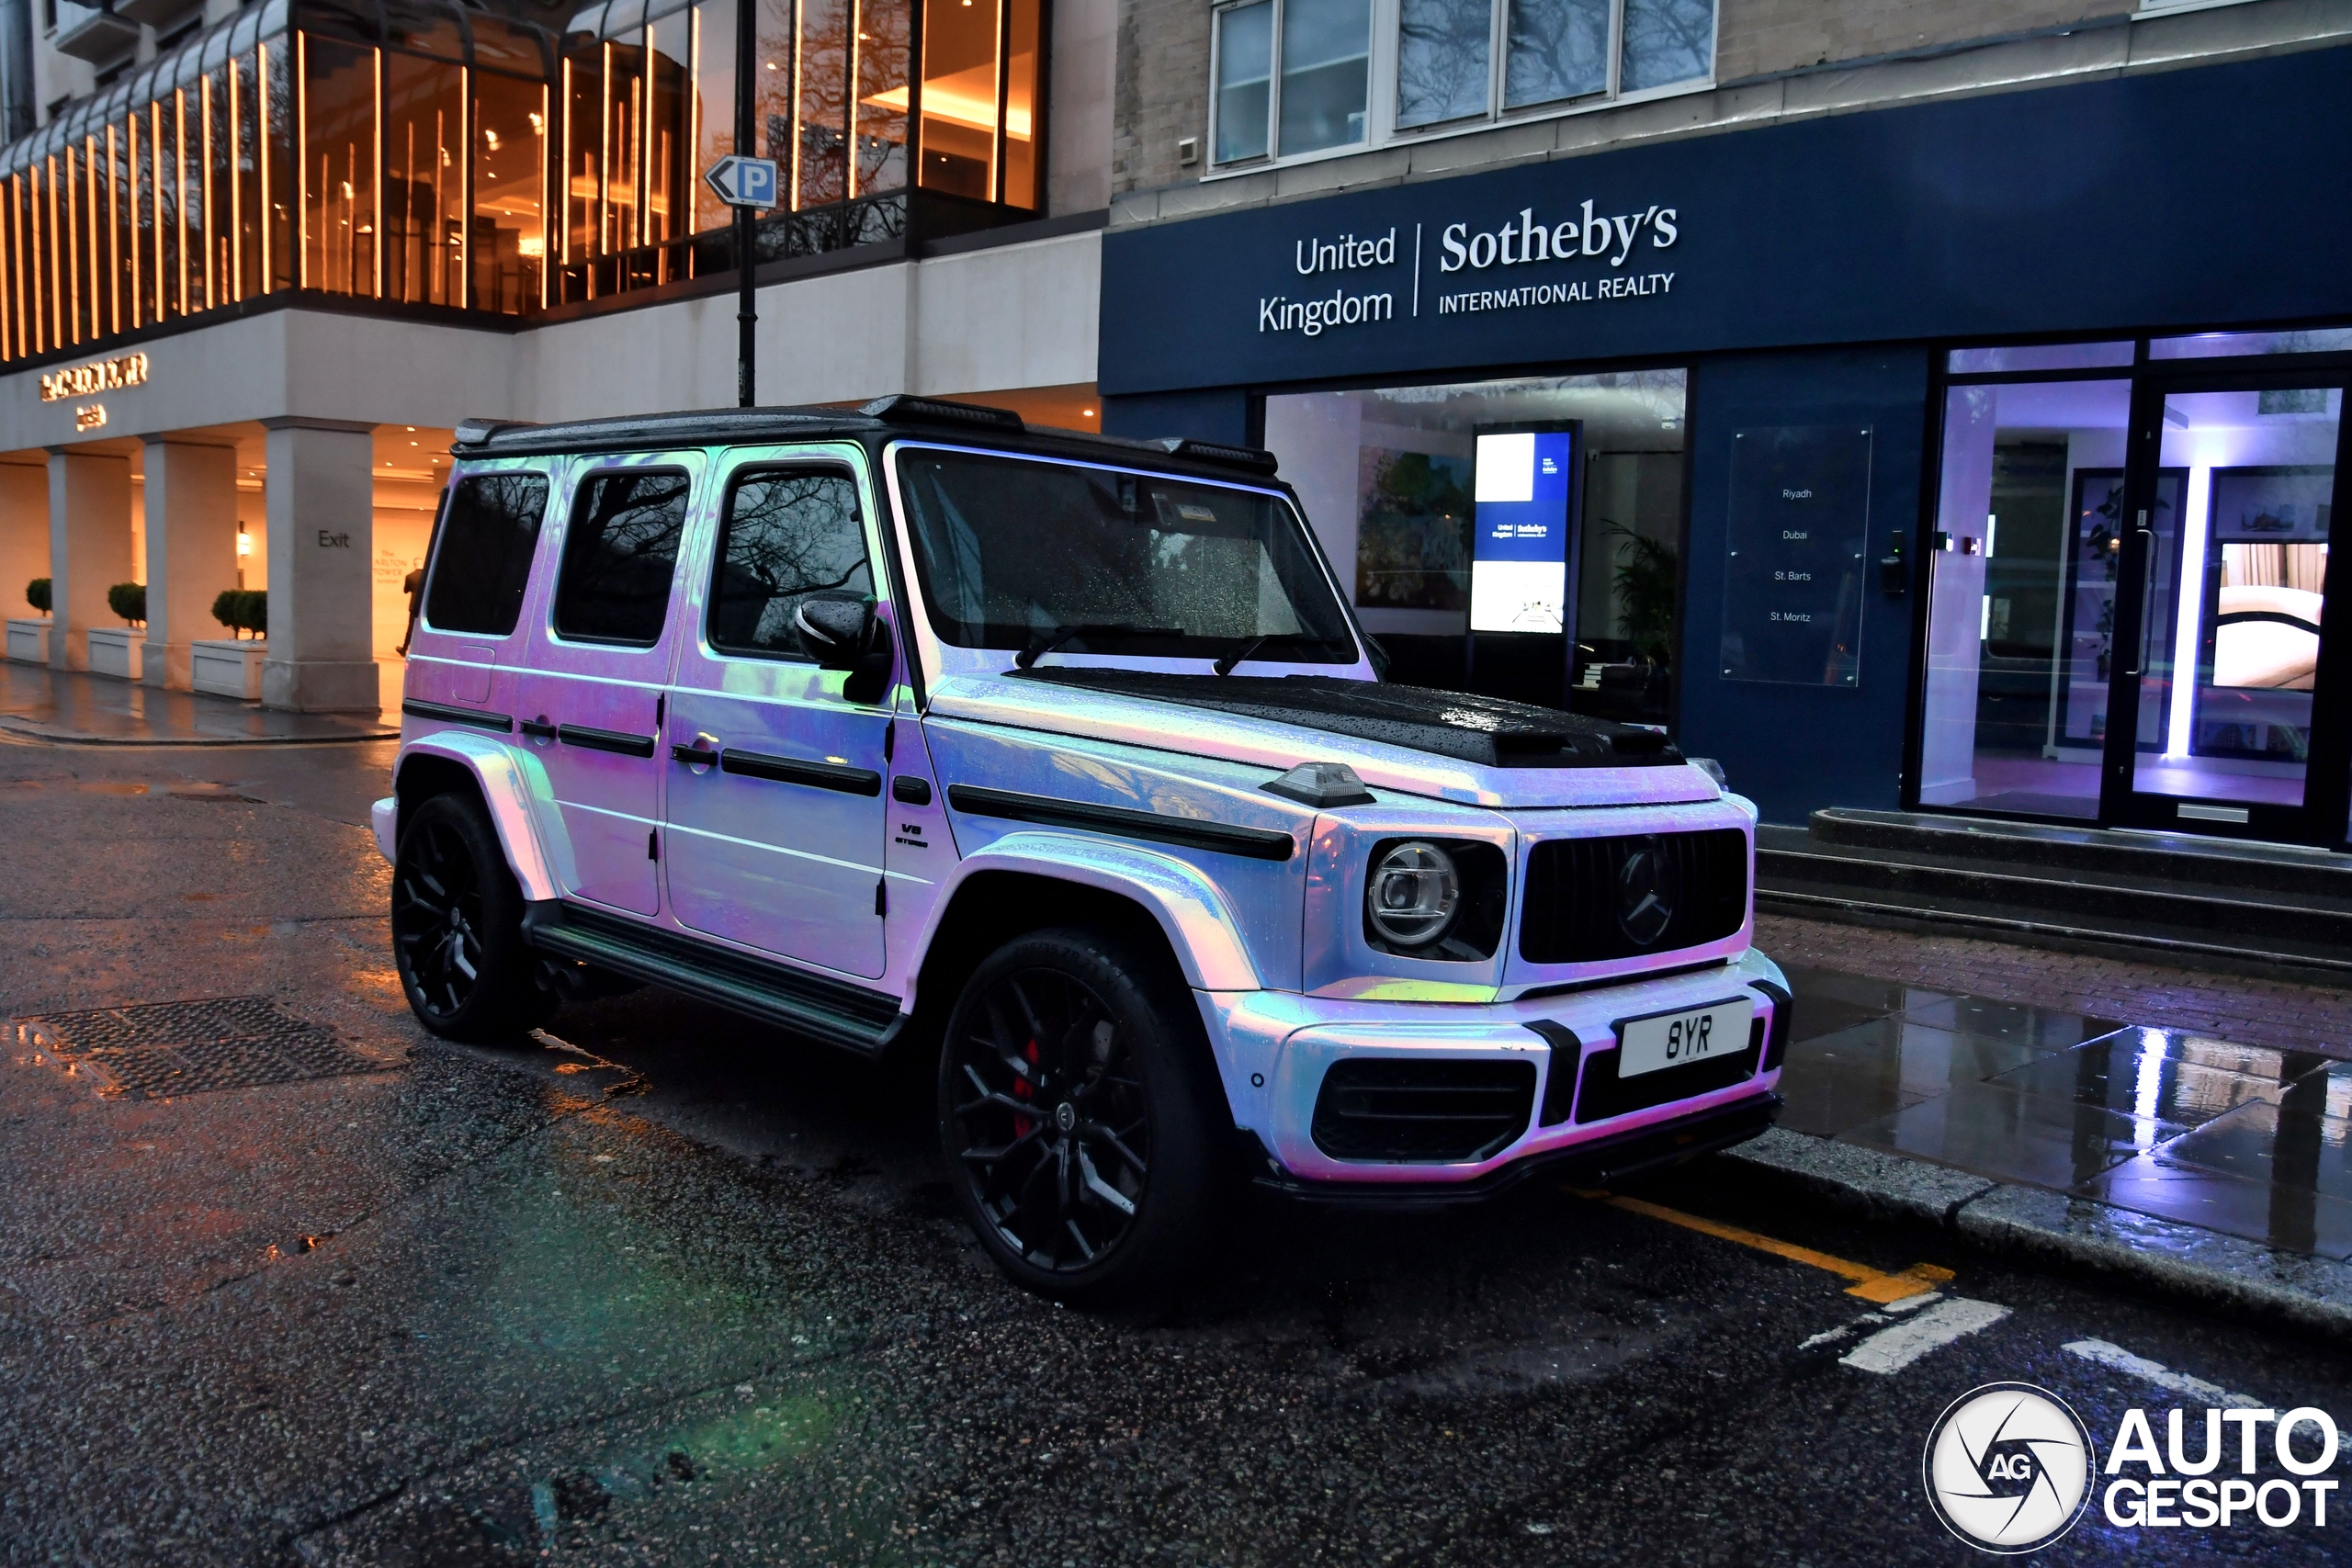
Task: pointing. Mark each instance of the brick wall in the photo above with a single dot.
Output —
(1163, 88)
(1163, 56)
(1754, 37)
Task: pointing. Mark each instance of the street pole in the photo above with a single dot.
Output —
(746, 311)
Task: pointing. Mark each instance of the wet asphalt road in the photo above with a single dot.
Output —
(669, 1288)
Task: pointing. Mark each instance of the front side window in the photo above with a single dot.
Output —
(484, 558)
(1294, 76)
(787, 534)
(619, 555)
(1025, 554)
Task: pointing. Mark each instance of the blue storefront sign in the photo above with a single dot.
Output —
(2119, 204)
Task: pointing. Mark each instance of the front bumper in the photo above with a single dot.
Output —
(1274, 1049)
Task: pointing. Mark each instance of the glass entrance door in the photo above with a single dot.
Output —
(2228, 658)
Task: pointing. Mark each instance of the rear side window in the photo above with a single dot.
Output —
(619, 555)
(485, 558)
(787, 534)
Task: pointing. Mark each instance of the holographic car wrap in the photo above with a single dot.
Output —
(1260, 898)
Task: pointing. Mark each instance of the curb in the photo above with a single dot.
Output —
(2117, 1247)
(33, 731)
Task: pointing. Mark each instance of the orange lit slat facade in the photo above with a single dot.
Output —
(424, 168)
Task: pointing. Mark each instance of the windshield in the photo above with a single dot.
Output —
(1041, 557)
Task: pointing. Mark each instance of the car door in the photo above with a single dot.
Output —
(593, 701)
(775, 811)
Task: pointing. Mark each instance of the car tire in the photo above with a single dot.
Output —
(457, 926)
(1105, 1192)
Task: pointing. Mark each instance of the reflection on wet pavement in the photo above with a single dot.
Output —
(2241, 1139)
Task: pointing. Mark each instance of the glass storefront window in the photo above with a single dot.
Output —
(338, 176)
(509, 241)
(1245, 79)
(2022, 595)
(2220, 345)
(713, 107)
(669, 144)
(959, 94)
(820, 161)
(2041, 356)
(882, 95)
(424, 180)
(1391, 483)
(1326, 73)
(245, 130)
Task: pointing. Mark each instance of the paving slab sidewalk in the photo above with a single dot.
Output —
(75, 707)
(2204, 1166)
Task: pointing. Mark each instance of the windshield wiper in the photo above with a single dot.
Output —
(1045, 642)
(1248, 651)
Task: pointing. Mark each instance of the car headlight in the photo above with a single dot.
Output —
(1413, 894)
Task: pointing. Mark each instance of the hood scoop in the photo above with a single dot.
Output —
(1484, 731)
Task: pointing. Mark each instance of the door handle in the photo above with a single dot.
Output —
(700, 752)
(2147, 589)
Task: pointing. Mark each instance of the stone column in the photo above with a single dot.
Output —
(89, 547)
(321, 496)
(191, 551)
(24, 534)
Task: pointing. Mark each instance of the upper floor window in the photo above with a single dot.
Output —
(1297, 76)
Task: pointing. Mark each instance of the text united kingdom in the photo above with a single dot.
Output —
(1377, 279)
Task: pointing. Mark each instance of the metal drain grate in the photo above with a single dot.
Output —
(162, 1049)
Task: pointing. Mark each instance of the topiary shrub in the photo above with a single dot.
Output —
(37, 595)
(129, 600)
(242, 610)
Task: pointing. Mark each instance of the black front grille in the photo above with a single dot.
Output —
(1433, 1111)
(1586, 897)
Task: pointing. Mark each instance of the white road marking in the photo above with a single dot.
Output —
(1892, 1349)
(1826, 1337)
(2117, 1358)
(1913, 1303)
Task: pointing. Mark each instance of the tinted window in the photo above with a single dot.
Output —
(1014, 553)
(618, 557)
(484, 558)
(786, 535)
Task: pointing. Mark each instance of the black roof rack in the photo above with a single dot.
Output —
(903, 408)
(474, 431)
(1256, 459)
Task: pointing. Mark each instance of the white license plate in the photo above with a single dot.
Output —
(1688, 1034)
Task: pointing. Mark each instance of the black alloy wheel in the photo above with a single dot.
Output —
(1073, 1118)
(457, 926)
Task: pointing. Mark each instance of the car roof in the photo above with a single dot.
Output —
(882, 419)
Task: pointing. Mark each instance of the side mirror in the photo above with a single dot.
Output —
(846, 634)
(835, 630)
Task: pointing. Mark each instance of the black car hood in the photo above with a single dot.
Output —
(1486, 732)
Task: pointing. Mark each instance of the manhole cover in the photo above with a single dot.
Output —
(162, 1049)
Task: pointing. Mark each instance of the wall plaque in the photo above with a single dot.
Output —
(1799, 522)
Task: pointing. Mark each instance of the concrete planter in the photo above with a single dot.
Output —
(118, 651)
(228, 668)
(28, 640)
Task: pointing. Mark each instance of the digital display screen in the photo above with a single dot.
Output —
(1519, 564)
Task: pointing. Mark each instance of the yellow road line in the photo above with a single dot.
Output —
(1871, 1284)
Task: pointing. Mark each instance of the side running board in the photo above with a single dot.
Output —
(849, 1016)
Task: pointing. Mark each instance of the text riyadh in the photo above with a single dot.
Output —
(2179, 1488)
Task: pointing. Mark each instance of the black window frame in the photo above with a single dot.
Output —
(580, 482)
(814, 465)
(440, 549)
